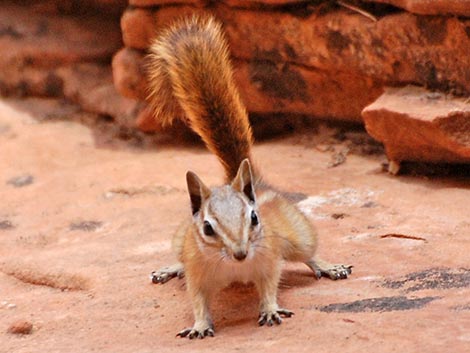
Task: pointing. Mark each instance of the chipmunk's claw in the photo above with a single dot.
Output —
(165, 274)
(337, 272)
(192, 333)
(158, 277)
(325, 269)
(270, 318)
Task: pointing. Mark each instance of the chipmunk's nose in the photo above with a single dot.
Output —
(240, 255)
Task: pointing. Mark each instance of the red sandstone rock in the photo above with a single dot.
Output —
(401, 47)
(129, 73)
(30, 81)
(34, 44)
(31, 39)
(418, 125)
(91, 87)
(40, 55)
(138, 27)
(146, 121)
(431, 7)
(268, 87)
(21, 327)
(145, 3)
(88, 85)
(335, 64)
(107, 3)
(257, 3)
(112, 8)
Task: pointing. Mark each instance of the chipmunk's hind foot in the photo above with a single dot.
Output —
(164, 274)
(325, 269)
(271, 317)
(193, 333)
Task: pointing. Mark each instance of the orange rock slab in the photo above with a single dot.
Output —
(431, 7)
(415, 124)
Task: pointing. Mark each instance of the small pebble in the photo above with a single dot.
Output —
(21, 327)
(109, 195)
(6, 224)
(433, 95)
(87, 226)
(21, 180)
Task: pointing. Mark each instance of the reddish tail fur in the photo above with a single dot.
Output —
(191, 78)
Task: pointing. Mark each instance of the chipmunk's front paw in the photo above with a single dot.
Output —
(337, 272)
(197, 333)
(165, 274)
(271, 317)
(323, 268)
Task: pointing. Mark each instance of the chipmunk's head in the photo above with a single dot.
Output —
(226, 218)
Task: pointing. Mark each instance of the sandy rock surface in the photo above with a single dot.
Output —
(419, 125)
(84, 220)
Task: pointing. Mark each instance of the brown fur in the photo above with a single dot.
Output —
(191, 77)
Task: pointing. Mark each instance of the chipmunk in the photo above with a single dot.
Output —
(241, 231)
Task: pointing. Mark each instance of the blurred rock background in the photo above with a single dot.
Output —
(294, 61)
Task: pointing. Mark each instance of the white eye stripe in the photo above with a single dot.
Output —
(207, 240)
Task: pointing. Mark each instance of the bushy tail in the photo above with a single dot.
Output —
(190, 77)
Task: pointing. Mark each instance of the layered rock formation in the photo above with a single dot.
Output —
(302, 60)
(431, 7)
(418, 125)
(63, 49)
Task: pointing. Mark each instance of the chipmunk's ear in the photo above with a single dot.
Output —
(198, 192)
(243, 182)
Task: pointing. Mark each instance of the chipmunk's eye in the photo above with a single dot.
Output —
(208, 230)
(254, 219)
